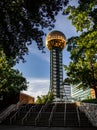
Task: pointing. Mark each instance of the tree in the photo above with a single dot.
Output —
(41, 99)
(11, 81)
(45, 98)
(4, 71)
(83, 48)
(38, 100)
(22, 22)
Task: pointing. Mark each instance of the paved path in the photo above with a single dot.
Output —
(42, 128)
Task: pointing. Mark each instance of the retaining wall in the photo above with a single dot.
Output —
(90, 110)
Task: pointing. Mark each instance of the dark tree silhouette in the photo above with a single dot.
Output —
(22, 22)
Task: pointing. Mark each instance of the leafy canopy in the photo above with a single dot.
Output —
(23, 21)
(11, 81)
(83, 48)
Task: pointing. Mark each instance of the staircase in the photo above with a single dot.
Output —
(48, 115)
(43, 120)
(21, 115)
(29, 118)
(71, 119)
(58, 116)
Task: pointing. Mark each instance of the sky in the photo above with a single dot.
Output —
(36, 69)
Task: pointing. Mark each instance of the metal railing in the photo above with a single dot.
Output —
(65, 115)
(6, 112)
(78, 116)
(51, 115)
(25, 117)
(39, 114)
(37, 117)
(16, 114)
(11, 108)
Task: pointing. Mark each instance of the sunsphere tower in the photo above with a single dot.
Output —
(56, 42)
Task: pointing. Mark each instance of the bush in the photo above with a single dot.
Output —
(90, 101)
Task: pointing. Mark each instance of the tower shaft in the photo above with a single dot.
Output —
(56, 42)
(56, 72)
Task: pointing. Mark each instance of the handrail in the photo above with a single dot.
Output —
(42, 109)
(11, 108)
(14, 116)
(25, 117)
(18, 104)
(37, 117)
(65, 115)
(51, 115)
(5, 113)
(8, 110)
(78, 116)
(45, 104)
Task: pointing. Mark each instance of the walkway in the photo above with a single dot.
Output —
(3, 127)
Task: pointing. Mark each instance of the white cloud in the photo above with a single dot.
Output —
(37, 87)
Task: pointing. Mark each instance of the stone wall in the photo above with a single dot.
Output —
(90, 111)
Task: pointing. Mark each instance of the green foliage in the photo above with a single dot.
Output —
(15, 82)
(38, 100)
(83, 48)
(44, 98)
(4, 70)
(23, 21)
(90, 101)
(84, 15)
(11, 81)
(82, 71)
(50, 96)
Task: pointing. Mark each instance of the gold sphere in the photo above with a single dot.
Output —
(55, 39)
